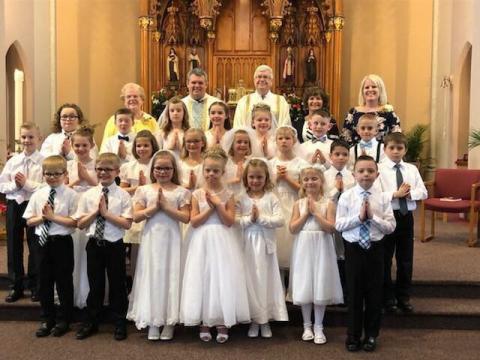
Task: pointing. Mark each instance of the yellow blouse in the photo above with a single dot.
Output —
(148, 122)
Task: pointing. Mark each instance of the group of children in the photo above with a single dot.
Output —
(216, 219)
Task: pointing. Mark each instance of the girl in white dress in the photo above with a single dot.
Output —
(314, 277)
(132, 175)
(237, 143)
(214, 291)
(264, 144)
(218, 113)
(155, 296)
(191, 161)
(286, 167)
(81, 177)
(259, 213)
(175, 123)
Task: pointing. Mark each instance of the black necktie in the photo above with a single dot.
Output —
(121, 137)
(402, 201)
(42, 239)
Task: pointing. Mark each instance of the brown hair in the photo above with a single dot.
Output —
(261, 107)
(216, 153)
(109, 158)
(316, 91)
(244, 132)
(301, 192)
(323, 113)
(365, 158)
(226, 124)
(83, 131)
(56, 127)
(54, 162)
(169, 155)
(257, 163)
(145, 134)
(339, 143)
(368, 116)
(184, 151)
(124, 111)
(167, 126)
(395, 137)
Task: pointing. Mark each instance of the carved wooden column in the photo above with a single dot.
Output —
(275, 25)
(155, 83)
(144, 22)
(337, 35)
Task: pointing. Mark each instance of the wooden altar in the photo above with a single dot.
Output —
(230, 38)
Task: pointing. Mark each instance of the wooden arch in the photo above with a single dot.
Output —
(186, 24)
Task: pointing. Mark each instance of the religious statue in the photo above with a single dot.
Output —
(194, 59)
(172, 66)
(289, 67)
(311, 67)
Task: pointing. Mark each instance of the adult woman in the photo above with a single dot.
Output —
(133, 97)
(372, 98)
(314, 98)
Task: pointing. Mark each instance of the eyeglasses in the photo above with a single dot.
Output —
(53, 174)
(69, 117)
(162, 169)
(107, 170)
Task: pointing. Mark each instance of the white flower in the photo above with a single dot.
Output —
(387, 108)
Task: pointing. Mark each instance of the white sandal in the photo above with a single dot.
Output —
(205, 336)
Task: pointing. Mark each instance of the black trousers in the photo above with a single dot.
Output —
(400, 243)
(56, 268)
(110, 257)
(16, 227)
(364, 273)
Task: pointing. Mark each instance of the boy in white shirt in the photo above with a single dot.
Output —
(367, 129)
(20, 177)
(316, 150)
(50, 212)
(364, 217)
(105, 211)
(404, 186)
(121, 143)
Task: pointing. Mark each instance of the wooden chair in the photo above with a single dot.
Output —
(460, 186)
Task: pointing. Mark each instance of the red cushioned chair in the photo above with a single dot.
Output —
(461, 187)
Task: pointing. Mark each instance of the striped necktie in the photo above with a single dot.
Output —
(42, 239)
(364, 240)
(100, 226)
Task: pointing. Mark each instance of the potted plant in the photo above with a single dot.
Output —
(416, 139)
(474, 139)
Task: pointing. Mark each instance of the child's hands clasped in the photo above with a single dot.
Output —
(255, 213)
(403, 191)
(20, 180)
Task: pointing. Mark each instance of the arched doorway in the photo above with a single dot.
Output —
(13, 63)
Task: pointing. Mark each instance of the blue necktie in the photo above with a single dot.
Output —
(364, 240)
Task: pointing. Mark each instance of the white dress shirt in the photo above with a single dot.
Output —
(64, 204)
(119, 204)
(388, 182)
(112, 143)
(370, 151)
(330, 178)
(31, 167)
(348, 214)
(308, 148)
(278, 106)
(129, 172)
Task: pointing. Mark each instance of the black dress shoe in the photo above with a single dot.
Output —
(86, 330)
(391, 307)
(370, 344)
(13, 296)
(45, 329)
(60, 329)
(34, 296)
(405, 306)
(120, 333)
(352, 344)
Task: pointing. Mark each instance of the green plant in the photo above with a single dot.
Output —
(474, 139)
(416, 139)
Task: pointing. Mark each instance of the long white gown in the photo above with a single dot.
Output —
(155, 296)
(80, 278)
(261, 264)
(314, 276)
(214, 290)
(288, 197)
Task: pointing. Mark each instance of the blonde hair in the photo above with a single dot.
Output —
(382, 92)
(301, 192)
(216, 153)
(30, 126)
(257, 163)
(287, 129)
(167, 125)
(127, 86)
(83, 131)
(184, 151)
(109, 158)
(54, 162)
(261, 107)
(171, 157)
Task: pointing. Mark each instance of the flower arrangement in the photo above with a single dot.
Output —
(159, 100)
(296, 111)
(387, 108)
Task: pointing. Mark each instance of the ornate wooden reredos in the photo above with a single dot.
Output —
(229, 38)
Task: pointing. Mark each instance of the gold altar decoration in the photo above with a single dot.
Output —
(233, 37)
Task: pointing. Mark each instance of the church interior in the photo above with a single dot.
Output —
(426, 52)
